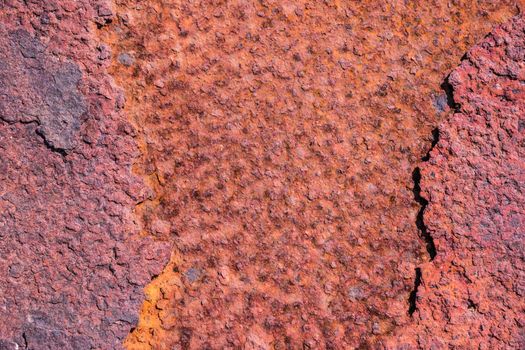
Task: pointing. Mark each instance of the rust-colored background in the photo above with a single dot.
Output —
(273, 149)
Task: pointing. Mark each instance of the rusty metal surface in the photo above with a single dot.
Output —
(280, 139)
(73, 265)
(472, 294)
(277, 141)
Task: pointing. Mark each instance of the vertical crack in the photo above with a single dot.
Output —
(420, 223)
(449, 92)
(24, 337)
(435, 139)
(412, 305)
(423, 202)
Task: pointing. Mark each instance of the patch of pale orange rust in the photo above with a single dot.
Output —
(278, 139)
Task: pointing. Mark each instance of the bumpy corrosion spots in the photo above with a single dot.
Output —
(279, 140)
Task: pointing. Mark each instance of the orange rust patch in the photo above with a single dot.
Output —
(279, 139)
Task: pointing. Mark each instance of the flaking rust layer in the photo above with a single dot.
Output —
(280, 139)
(472, 295)
(73, 264)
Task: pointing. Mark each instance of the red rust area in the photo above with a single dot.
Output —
(72, 263)
(280, 140)
(269, 147)
(472, 295)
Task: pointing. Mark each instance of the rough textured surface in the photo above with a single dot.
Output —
(473, 293)
(72, 263)
(35, 88)
(280, 138)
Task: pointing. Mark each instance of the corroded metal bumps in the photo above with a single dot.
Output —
(279, 140)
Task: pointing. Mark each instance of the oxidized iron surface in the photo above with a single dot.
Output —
(473, 294)
(278, 140)
(72, 263)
